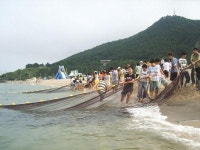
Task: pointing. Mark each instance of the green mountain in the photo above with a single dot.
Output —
(169, 34)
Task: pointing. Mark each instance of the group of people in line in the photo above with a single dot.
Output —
(149, 75)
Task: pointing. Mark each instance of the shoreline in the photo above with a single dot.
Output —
(183, 107)
(50, 82)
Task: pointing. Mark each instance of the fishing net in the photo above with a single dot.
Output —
(50, 90)
(84, 100)
(66, 103)
(167, 92)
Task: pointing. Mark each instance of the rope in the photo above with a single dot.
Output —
(163, 96)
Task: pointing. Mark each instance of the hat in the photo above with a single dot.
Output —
(118, 67)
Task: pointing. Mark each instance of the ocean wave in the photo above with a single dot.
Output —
(150, 118)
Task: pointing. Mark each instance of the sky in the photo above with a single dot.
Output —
(46, 31)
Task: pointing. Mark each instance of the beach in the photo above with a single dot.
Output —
(183, 107)
(54, 83)
(50, 82)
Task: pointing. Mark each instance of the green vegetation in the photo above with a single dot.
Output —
(31, 70)
(29, 73)
(170, 33)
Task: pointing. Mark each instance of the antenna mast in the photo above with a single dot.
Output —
(174, 13)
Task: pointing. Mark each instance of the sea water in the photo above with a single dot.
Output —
(142, 128)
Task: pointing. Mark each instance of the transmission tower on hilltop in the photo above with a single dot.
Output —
(174, 13)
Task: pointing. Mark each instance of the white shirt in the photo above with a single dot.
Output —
(143, 75)
(183, 62)
(167, 66)
(153, 72)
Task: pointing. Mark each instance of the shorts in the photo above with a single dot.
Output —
(115, 82)
(127, 89)
(154, 85)
(173, 76)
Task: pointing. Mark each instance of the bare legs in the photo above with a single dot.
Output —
(128, 95)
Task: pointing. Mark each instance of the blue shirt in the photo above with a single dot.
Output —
(114, 75)
(175, 63)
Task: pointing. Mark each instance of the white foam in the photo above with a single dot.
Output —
(149, 118)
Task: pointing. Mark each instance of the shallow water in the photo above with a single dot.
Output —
(101, 128)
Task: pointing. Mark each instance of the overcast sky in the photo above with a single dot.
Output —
(41, 31)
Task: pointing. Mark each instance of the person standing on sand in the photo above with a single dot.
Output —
(193, 76)
(138, 68)
(153, 71)
(161, 74)
(175, 66)
(120, 74)
(107, 78)
(195, 60)
(142, 87)
(166, 68)
(114, 78)
(183, 67)
(128, 85)
(96, 81)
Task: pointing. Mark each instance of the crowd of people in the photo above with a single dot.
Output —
(149, 75)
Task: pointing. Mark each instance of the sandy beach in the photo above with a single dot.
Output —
(50, 82)
(183, 107)
(53, 82)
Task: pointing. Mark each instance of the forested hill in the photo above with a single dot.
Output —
(170, 33)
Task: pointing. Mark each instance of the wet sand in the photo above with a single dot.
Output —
(183, 107)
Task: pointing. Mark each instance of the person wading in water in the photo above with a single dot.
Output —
(128, 85)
